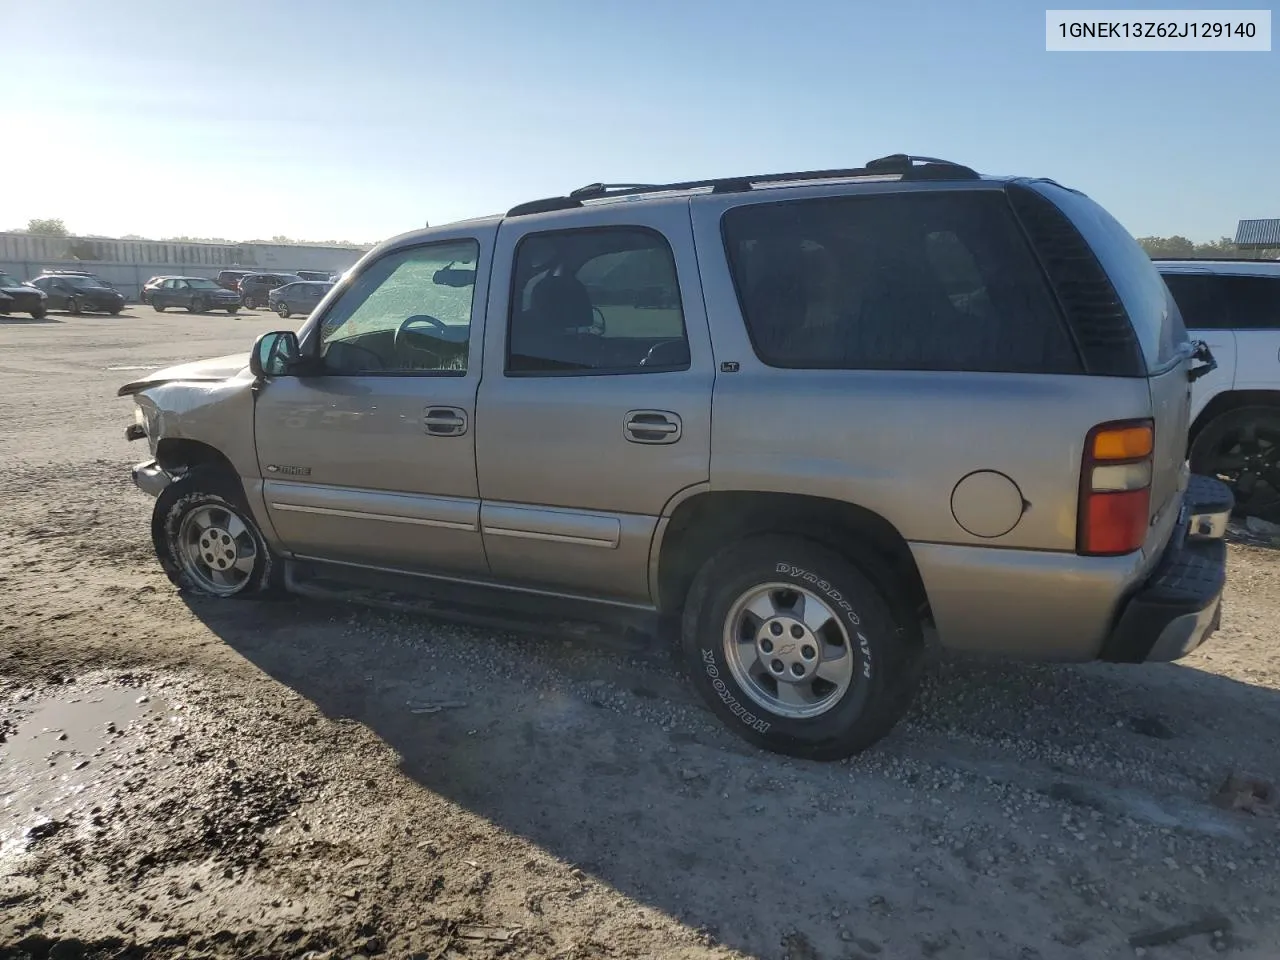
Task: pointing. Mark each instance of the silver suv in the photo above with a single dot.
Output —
(800, 417)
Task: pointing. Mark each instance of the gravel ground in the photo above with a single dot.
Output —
(205, 779)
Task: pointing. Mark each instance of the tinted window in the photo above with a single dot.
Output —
(1200, 300)
(395, 317)
(925, 281)
(596, 301)
(1146, 298)
(1254, 301)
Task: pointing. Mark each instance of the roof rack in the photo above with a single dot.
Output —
(900, 164)
(1194, 259)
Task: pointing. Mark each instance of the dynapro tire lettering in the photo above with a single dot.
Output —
(727, 697)
(834, 595)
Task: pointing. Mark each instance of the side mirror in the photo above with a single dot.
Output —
(275, 354)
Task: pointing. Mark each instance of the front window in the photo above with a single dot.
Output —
(201, 284)
(399, 317)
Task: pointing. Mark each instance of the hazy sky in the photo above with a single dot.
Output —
(341, 120)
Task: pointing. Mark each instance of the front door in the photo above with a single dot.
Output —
(372, 461)
(595, 408)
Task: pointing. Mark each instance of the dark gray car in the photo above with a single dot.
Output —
(300, 297)
(196, 294)
(255, 287)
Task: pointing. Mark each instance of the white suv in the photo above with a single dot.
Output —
(1234, 306)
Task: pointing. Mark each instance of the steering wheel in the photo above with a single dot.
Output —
(597, 329)
(404, 333)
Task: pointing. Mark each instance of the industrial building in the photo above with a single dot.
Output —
(127, 264)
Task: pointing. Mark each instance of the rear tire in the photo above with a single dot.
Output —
(233, 309)
(752, 651)
(158, 307)
(1241, 447)
(282, 308)
(115, 311)
(198, 305)
(207, 541)
(38, 313)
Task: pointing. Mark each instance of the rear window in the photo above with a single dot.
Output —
(912, 281)
(1148, 302)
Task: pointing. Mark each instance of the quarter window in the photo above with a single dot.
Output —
(924, 281)
(408, 313)
(595, 301)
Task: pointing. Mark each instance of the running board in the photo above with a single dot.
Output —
(634, 633)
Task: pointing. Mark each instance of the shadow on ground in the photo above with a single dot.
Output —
(679, 815)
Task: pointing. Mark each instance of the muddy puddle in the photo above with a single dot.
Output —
(64, 757)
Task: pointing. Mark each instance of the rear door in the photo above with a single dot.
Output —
(1254, 302)
(1206, 313)
(595, 407)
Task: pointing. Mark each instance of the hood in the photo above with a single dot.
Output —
(218, 368)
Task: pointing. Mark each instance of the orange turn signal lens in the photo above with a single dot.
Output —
(1123, 443)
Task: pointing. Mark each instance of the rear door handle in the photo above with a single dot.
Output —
(652, 426)
(445, 421)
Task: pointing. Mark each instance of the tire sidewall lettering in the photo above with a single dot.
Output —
(727, 697)
(837, 599)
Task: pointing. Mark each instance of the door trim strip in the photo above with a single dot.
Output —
(361, 515)
(549, 537)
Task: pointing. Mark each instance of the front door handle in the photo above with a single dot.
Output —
(652, 426)
(445, 421)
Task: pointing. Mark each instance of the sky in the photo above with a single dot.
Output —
(326, 120)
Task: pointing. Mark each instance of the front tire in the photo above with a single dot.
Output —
(282, 308)
(73, 307)
(233, 309)
(38, 313)
(796, 650)
(158, 307)
(198, 305)
(206, 538)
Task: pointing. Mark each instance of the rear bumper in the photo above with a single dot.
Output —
(150, 478)
(1179, 605)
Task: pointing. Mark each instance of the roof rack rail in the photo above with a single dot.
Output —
(906, 166)
(1195, 259)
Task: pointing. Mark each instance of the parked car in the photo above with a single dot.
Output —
(940, 399)
(22, 297)
(230, 279)
(324, 276)
(1234, 306)
(196, 294)
(144, 294)
(77, 293)
(255, 287)
(298, 297)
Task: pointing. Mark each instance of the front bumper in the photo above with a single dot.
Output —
(150, 478)
(1179, 605)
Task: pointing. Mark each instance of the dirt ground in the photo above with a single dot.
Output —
(300, 779)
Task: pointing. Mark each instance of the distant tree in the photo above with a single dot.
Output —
(47, 228)
(1181, 247)
(133, 236)
(281, 238)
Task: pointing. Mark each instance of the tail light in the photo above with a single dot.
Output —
(1115, 488)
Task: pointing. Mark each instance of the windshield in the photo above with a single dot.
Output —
(200, 283)
(8, 280)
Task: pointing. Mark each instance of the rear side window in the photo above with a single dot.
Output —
(1146, 299)
(1254, 302)
(1200, 300)
(595, 301)
(923, 281)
